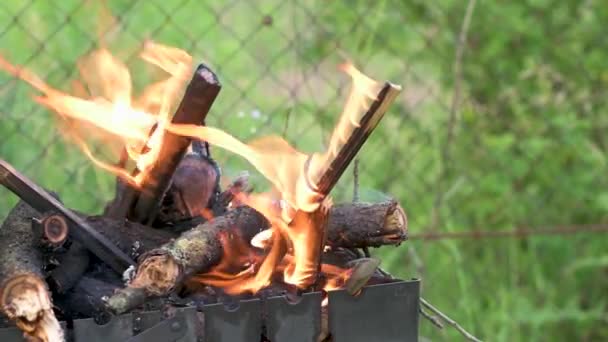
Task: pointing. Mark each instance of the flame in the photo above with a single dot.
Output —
(297, 213)
(104, 99)
(297, 228)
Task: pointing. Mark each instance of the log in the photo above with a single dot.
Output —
(131, 238)
(85, 299)
(359, 225)
(196, 103)
(194, 190)
(44, 202)
(51, 230)
(72, 265)
(24, 296)
(162, 269)
(322, 171)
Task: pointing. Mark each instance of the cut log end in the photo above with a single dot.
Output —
(396, 221)
(25, 300)
(158, 274)
(55, 229)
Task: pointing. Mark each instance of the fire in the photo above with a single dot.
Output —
(297, 215)
(106, 102)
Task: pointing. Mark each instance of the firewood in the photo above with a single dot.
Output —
(45, 202)
(196, 103)
(131, 238)
(51, 230)
(72, 265)
(349, 136)
(322, 172)
(162, 269)
(85, 299)
(24, 296)
(194, 189)
(358, 225)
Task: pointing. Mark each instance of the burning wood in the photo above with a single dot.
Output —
(170, 214)
(193, 109)
(358, 225)
(200, 249)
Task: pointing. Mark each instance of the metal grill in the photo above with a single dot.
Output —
(387, 312)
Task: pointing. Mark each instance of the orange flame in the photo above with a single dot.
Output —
(109, 105)
(105, 100)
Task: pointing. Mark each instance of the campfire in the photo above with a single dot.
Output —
(172, 241)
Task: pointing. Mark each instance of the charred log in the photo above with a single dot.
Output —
(72, 265)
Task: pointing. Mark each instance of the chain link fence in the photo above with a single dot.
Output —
(511, 133)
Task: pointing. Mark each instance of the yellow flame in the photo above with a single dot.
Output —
(104, 99)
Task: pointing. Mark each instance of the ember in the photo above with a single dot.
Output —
(193, 243)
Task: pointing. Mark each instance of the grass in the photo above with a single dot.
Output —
(501, 290)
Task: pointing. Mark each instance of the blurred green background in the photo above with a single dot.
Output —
(527, 147)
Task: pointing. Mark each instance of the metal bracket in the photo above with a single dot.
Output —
(231, 325)
(299, 321)
(118, 329)
(182, 327)
(388, 311)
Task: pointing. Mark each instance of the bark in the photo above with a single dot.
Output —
(358, 225)
(24, 296)
(162, 269)
(193, 192)
(132, 238)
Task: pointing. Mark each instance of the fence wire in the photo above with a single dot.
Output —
(526, 141)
